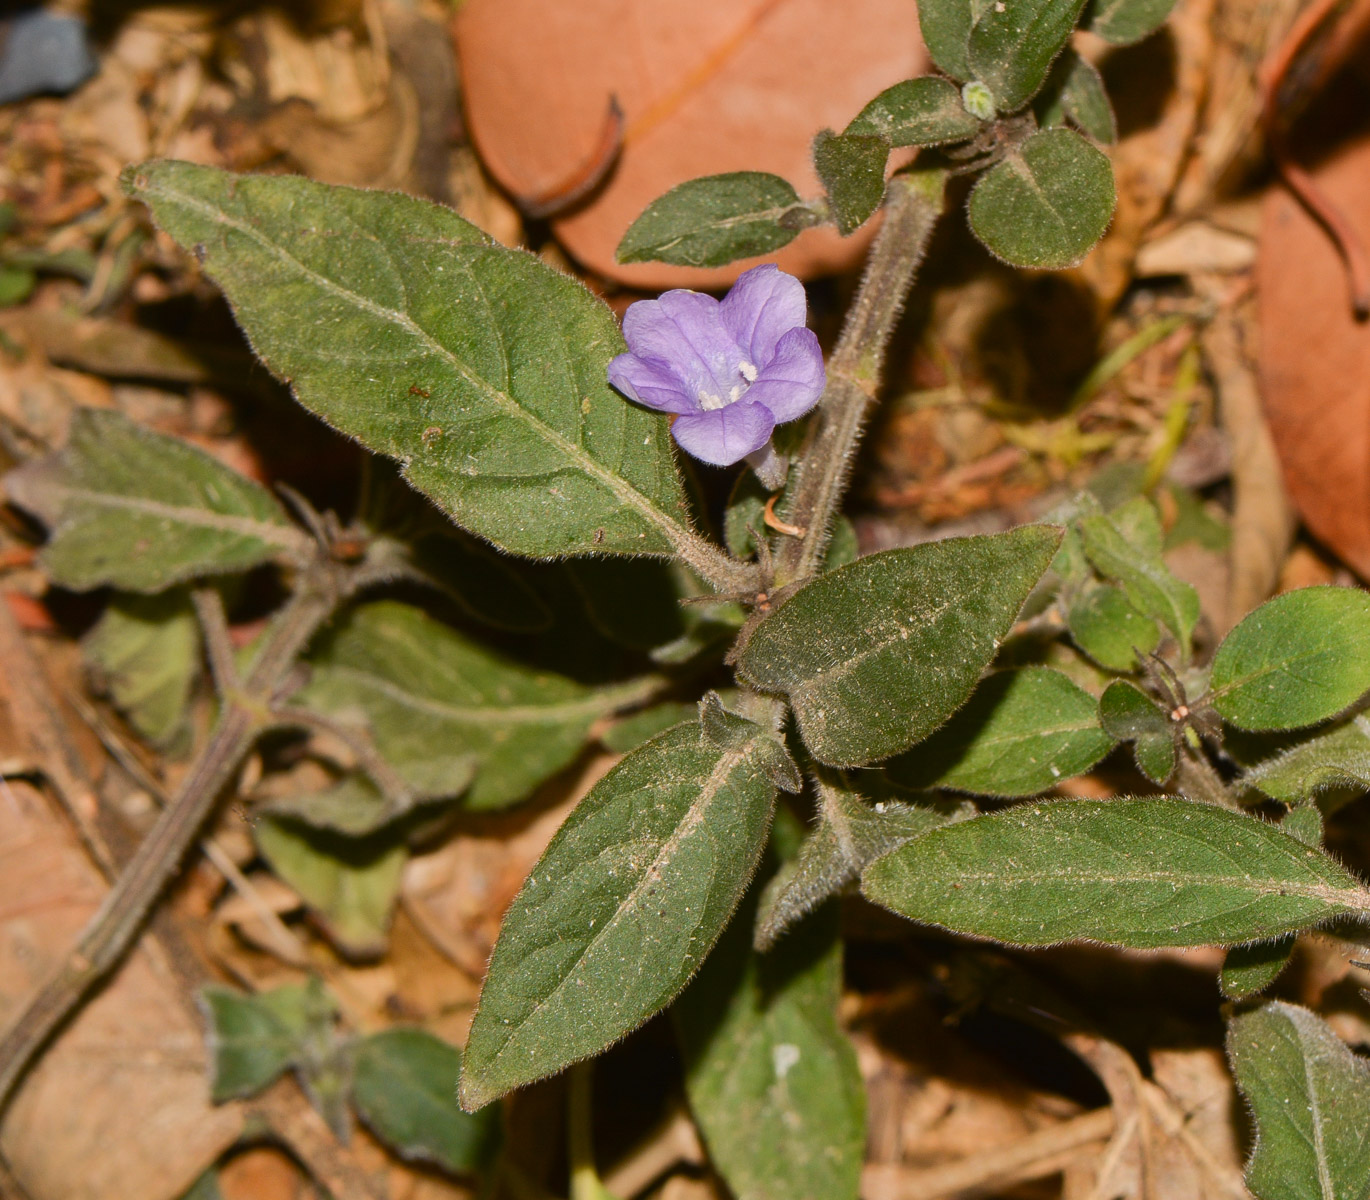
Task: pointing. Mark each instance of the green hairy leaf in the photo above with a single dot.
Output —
(1123, 22)
(1298, 659)
(945, 26)
(1106, 626)
(479, 369)
(1013, 44)
(623, 906)
(856, 825)
(145, 652)
(917, 112)
(852, 169)
(402, 1089)
(1076, 91)
(876, 655)
(713, 221)
(447, 711)
(1140, 873)
(141, 511)
(1338, 757)
(1021, 733)
(772, 1080)
(1136, 566)
(1310, 1097)
(1047, 203)
(1249, 970)
(350, 883)
(354, 806)
(1130, 715)
(254, 1039)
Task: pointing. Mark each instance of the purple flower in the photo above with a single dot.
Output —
(732, 370)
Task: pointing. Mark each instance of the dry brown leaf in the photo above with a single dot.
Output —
(705, 86)
(123, 1093)
(1315, 359)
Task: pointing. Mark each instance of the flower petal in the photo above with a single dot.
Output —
(651, 382)
(683, 329)
(725, 435)
(790, 384)
(762, 307)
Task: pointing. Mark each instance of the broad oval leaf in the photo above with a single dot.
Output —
(1249, 970)
(772, 1080)
(623, 906)
(1047, 203)
(140, 511)
(1130, 715)
(446, 711)
(1104, 623)
(1075, 90)
(1338, 757)
(1297, 660)
(945, 26)
(1123, 22)
(713, 221)
(1122, 551)
(1140, 873)
(1310, 1097)
(1021, 733)
(402, 1084)
(480, 369)
(1013, 44)
(917, 112)
(876, 655)
(145, 653)
(852, 169)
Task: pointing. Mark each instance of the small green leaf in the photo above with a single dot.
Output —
(1130, 715)
(350, 883)
(772, 1080)
(744, 518)
(481, 370)
(712, 221)
(1140, 873)
(1250, 969)
(1013, 44)
(1075, 90)
(353, 806)
(622, 907)
(404, 1090)
(145, 652)
(1338, 757)
(445, 710)
(254, 1039)
(1148, 582)
(1310, 1097)
(853, 173)
(1123, 22)
(1105, 625)
(1021, 733)
(843, 548)
(917, 112)
(132, 508)
(1305, 823)
(1047, 203)
(945, 26)
(876, 655)
(1297, 660)
(857, 823)
(16, 283)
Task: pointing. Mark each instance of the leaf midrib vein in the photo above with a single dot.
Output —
(624, 491)
(284, 536)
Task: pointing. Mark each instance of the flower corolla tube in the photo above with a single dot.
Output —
(730, 370)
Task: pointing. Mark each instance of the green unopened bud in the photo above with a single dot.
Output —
(978, 100)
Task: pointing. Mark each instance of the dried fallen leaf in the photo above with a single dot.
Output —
(704, 86)
(1315, 359)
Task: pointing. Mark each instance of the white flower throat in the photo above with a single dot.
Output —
(710, 402)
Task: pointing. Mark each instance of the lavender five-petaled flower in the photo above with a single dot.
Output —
(732, 370)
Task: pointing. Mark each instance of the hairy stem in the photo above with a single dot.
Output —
(116, 925)
(911, 210)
